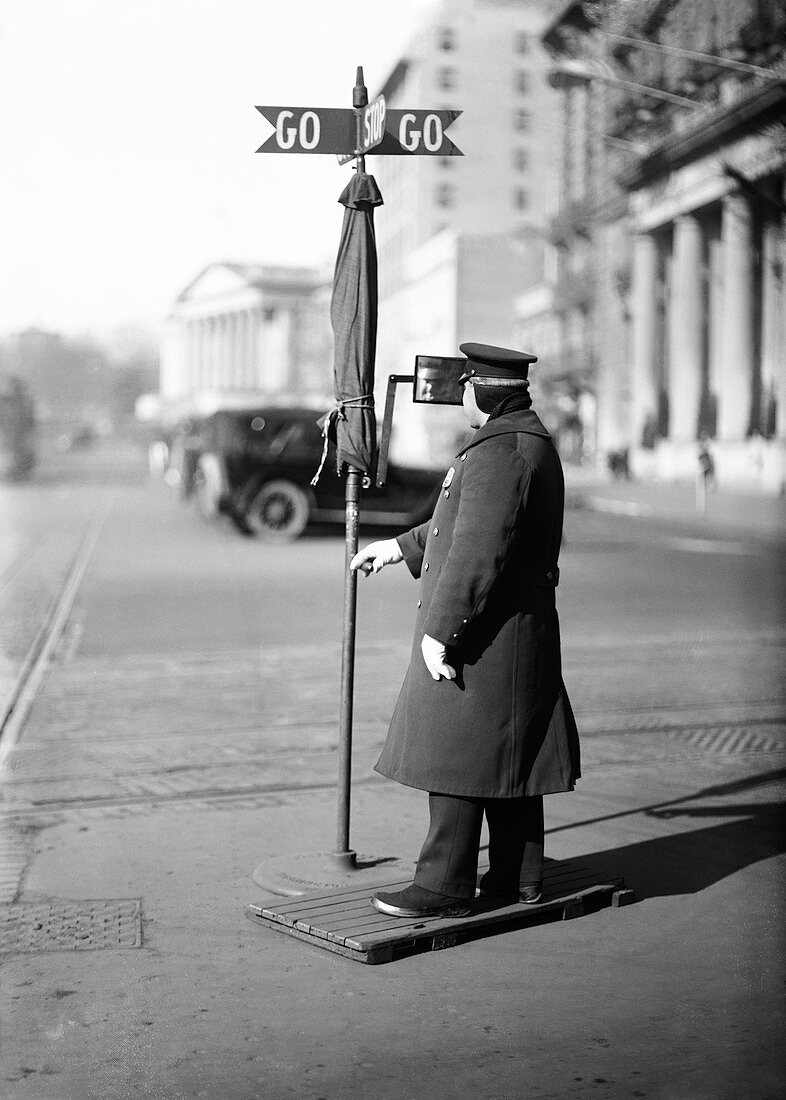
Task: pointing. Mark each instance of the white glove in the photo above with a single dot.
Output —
(434, 654)
(376, 556)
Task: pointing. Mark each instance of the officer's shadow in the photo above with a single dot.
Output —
(686, 862)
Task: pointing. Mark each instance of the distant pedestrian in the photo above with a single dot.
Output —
(483, 722)
(705, 478)
(706, 461)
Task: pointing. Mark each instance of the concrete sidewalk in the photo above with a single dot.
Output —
(729, 512)
(673, 997)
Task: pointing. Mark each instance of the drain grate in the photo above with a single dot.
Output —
(733, 739)
(71, 925)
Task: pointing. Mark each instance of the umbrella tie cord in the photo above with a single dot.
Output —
(329, 419)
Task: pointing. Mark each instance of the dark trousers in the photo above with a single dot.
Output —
(448, 862)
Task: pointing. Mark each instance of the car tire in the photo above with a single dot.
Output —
(158, 458)
(279, 511)
(180, 472)
(209, 486)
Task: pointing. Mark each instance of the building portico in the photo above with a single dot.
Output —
(708, 307)
(244, 328)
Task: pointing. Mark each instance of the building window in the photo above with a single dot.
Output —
(522, 82)
(521, 199)
(522, 42)
(521, 120)
(445, 194)
(446, 37)
(446, 79)
(521, 160)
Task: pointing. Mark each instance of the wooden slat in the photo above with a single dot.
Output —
(345, 922)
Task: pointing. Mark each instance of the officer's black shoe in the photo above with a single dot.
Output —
(416, 901)
(531, 892)
(490, 887)
(494, 889)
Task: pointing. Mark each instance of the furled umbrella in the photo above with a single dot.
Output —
(353, 314)
(351, 425)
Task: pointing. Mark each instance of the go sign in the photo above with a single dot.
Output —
(418, 133)
(307, 130)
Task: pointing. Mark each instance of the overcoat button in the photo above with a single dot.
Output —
(420, 603)
(463, 458)
(549, 576)
(427, 567)
(447, 493)
(436, 531)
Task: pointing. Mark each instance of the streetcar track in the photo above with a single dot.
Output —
(109, 758)
(10, 571)
(225, 795)
(52, 805)
(592, 723)
(28, 681)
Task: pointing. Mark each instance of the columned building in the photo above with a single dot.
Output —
(670, 242)
(247, 329)
(709, 306)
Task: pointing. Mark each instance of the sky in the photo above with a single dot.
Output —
(128, 133)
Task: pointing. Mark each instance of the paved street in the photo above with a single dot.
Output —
(186, 730)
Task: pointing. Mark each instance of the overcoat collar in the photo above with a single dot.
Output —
(525, 421)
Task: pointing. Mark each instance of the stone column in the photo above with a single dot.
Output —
(736, 365)
(253, 348)
(644, 390)
(244, 349)
(210, 353)
(773, 320)
(250, 351)
(235, 363)
(229, 375)
(715, 298)
(686, 331)
(214, 376)
(207, 353)
(223, 371)
(197, 327)
(189, 347)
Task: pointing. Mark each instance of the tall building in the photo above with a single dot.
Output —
(668, 308)
(459, 238)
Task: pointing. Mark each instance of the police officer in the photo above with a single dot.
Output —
(483, 722)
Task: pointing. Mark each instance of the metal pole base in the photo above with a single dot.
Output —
(292, 876)
(345, 861)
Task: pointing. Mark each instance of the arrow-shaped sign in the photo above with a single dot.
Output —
(418, 133)
(307, 129)
(333, 130)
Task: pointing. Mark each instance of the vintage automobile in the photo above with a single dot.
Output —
(255, 464)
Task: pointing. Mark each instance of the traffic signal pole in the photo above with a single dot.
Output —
(344, 856)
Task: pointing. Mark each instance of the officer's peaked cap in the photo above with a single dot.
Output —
(498, 362)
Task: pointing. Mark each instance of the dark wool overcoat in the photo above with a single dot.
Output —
(487, 563)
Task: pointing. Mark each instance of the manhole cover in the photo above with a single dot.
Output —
(71, 925)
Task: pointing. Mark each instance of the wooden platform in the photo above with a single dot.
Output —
(344, 921)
